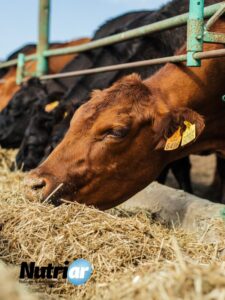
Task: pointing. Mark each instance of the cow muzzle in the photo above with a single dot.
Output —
(41, 189)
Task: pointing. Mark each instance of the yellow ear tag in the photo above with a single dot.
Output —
(65, 114)
(189, 134)
(173, 142)
(49, 107)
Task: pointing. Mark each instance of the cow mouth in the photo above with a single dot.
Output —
(38, 189)
(58, 193)
(62, 193)
(54, 197)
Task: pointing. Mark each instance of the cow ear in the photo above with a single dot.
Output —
(177, 128)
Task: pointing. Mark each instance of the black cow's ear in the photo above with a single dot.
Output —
(177, 128)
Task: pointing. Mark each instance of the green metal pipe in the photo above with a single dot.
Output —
(43, 37)
(134, 33)
(215, 17)
(10, 63)
(20, 68)
(214, 37)
(195, 29)
(14, 62)
(144, 63)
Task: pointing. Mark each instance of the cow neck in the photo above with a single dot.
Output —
(200, 89)
(197, 88)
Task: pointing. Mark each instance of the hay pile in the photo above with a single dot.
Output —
(133, 257)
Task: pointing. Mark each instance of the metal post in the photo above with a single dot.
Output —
(195, 31)
(20, 68)
(43, 37)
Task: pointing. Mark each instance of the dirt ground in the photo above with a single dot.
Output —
(202, 177)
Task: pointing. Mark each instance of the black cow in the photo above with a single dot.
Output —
(16, 115)
(2, 71)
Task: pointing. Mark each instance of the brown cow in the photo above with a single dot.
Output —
(116, 142)
(8, 86)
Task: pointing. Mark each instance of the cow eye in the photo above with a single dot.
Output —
(117, 132)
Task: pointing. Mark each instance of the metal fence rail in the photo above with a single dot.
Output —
(134, 33)
(197, 35)
(144, 63)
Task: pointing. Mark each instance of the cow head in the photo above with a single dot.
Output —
(15, 116)
(28, 94)
(114, 146)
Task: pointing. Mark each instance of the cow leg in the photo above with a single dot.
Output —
(219, 178)
(163, 175)
(181, 171)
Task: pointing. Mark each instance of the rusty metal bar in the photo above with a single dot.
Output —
(144, 63)
(214, 37)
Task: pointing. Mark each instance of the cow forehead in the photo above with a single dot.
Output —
(98, 122)
(122, 98)
(95, 109)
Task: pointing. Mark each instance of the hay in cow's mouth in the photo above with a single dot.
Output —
(133, 257)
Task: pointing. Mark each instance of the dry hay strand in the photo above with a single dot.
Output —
(117, 243)
(6, 159)
(170, 282)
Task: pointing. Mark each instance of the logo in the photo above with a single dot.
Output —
(76, 273)
(79, 272)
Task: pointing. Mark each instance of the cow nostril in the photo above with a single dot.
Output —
(39, 185)
(35, 183)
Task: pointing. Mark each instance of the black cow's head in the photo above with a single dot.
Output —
(15, 116)
(44, 131)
